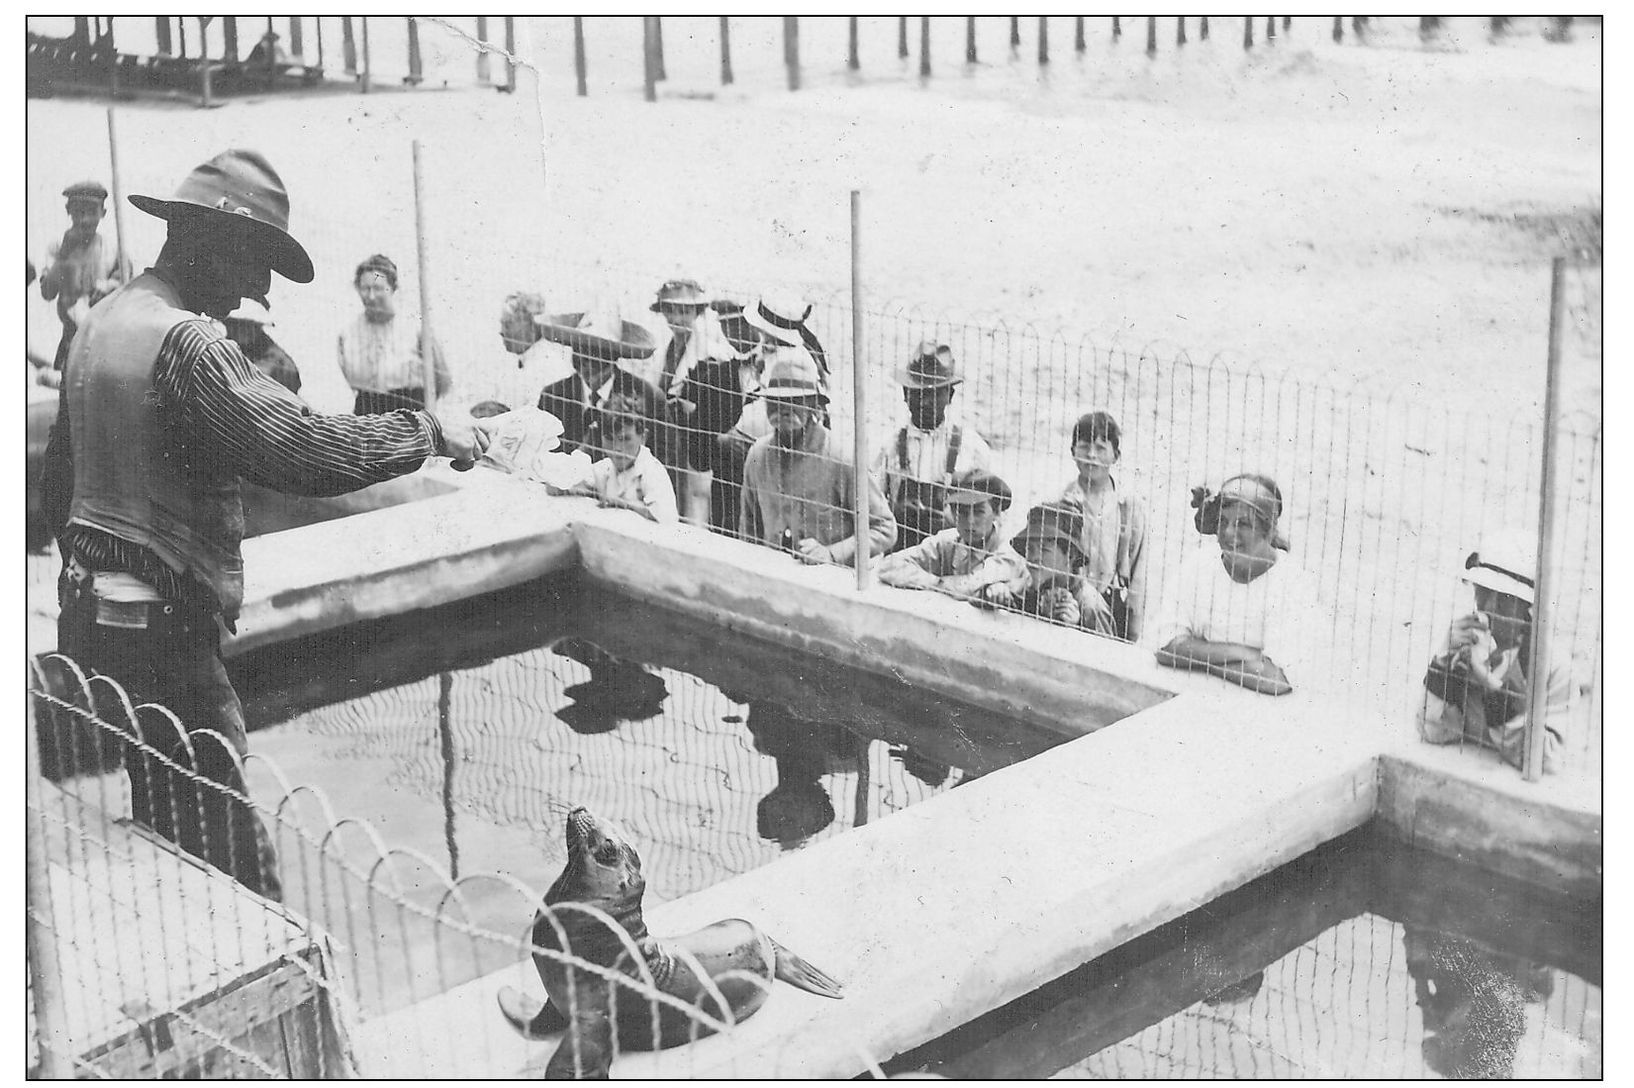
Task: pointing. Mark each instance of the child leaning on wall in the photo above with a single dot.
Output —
(628, 476)
(1476, 687)
(971, 560)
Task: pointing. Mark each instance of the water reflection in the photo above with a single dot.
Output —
(618, 691)
(1473, 1002)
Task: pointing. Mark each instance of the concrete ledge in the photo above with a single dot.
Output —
(1470, 806)
(491, 533)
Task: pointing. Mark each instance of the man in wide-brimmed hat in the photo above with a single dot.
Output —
(915, 465)
(1478, 686)
(82, 268)
(600, 341)
(798, 483)
(161, 416)
(971, 561)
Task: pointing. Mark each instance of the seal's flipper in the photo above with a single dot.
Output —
(797, 972)
(586, 1052)
(532, 1018)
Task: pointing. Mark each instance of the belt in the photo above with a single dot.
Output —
(131, 615)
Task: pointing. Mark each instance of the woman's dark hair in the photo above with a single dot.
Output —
(1098, 425)
(622, 412)
(378, 263)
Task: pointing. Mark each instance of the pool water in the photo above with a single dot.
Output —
(466, 733)
(1364, 959)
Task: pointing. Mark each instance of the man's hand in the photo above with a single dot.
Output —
(1061, 606)
(45, 375)
(1466, 631)
(809, 551)
(464, 440)
(994, 595)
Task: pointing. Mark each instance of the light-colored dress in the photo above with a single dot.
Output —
(377, 356)
(1274, 613)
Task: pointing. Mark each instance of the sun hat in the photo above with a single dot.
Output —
(791, 374)
(931, 367)
(1506, 562)
(1257, 492)
(678, 293)
(780, 316)
(86, 190)
(974, 486)
(1058, 523)
(236, 186)
(599, 334)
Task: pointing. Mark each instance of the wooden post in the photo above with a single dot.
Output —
(726, 52)
(41, 925)
(422, 258)
(1151, 35)
(1428, 25)
(415, 76)
(1537, 669)
(1015, 32)
(580, 74)
(113, 61)
(852, 61)
(1361, 24)
(649, 64)
(445, 735)
(1180, 31)
(859, 400)
(1338, 28)
(82, 31)
(181, 36)
(297, 46)
(791, 49)
(970, 39)
(1117, 28)
(318, 22)
(902, 37)
(1270, 28)
(348, 45)
(1202, 28)
(1043, 39)
(367, 83)
(510, 55)
(229, 39)
(1287, 21)
(1078, 34)
(485, 74)
(1500, 23)
(118, 200)
(1248, 32)
(924, 47)
(206, 98)
(161, 31)
(658, 32)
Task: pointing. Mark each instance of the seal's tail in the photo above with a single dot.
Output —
(797, 972)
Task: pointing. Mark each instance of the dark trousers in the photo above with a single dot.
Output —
(68, 331)
(371, 402)
(176, 663)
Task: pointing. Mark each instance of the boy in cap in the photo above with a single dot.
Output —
(82, 267)
(798, 483)
(1477, 688)
(971, 560)
(1056, 590)
(915, 466)
(629, 477)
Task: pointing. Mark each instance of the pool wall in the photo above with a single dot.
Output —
(964, 902)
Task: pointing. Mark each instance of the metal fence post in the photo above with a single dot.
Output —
(924, 46)
(1078, 34)
(428, 363)
(1015, 32)
(859, 402)
(297, 44)
(726, 52)
(44, 971)
(1151, 35)
(415, 76)
(1180, 31)
(1537, 671)
(1202, 28)
(970, 39)
(580, 72)
(367, 84)
(902, 37)
(852, 60)
(658, 35)
(1117, 27)
(1338, 28)
(1043, 39)
(1270, 28)
(1248, 32)
(510, 54)
(484, 69)
(348, 46)
(791, 49)
(118, 200)
(649, 67)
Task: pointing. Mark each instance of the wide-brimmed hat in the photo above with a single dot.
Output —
(600, 334)
(780, 316)
(1506, 562)
(239, 186)
(791, 374)
(678, 293)
(86, 190)
(931, 367)
(973, 486)
(1056, 523)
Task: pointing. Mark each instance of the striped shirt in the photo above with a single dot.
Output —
(228, 414)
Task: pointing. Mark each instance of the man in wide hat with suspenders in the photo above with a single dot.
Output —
(161, 417)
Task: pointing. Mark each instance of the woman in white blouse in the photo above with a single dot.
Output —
(382, 354)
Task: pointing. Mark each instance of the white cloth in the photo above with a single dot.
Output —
(645, 482)
(376, 356)
(1275, 613)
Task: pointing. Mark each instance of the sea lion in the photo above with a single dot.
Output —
(604, 871)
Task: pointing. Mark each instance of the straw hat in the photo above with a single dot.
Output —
(931, 367)
(678, 294)
(238, 186)
(791, 374)
(1060, 524)
(780, 316)
(973, 486)
(600, 334)
(1506, 562)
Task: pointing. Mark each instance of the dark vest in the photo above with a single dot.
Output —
(134, 476)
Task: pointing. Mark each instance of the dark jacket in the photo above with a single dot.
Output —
(565, 400)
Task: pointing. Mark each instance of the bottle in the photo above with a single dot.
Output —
(786, 541)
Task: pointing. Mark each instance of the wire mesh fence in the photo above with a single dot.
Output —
(370, 959)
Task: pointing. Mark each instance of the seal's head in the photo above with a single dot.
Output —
(602, 865)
